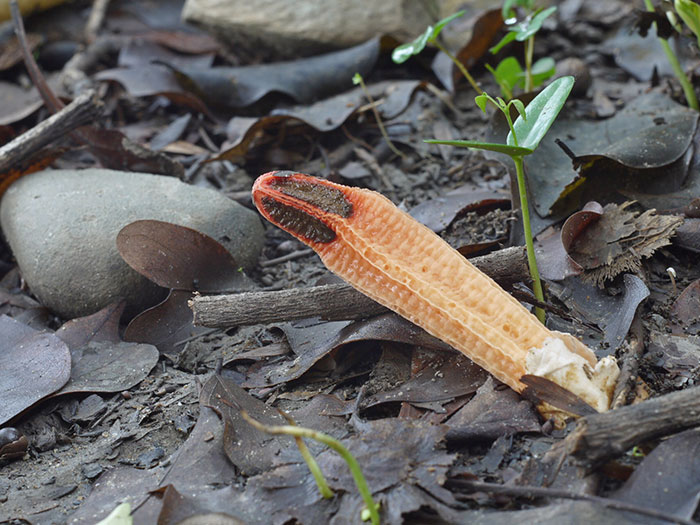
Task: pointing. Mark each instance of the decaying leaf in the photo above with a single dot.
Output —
(33, 365)
(101, 361)
(442, 379)
(667, 479)
(183, 260)
(677, 354)
(324, 115)
(313, 342)
(249, 449)
(685, 312)
(619, 241)
(493, 412)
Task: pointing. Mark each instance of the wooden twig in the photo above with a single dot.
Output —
(96, 19)
(633, 351)
(601, 437)
(331, 302)
(84, 109)
(50, 99)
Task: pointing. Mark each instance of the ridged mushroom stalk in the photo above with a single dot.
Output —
(387, 255)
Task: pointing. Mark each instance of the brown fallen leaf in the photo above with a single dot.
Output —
(33, 365)
(619, 241)
(249, 449)
(685, 312)
(101, 361)
(183, 260)
(312, 342)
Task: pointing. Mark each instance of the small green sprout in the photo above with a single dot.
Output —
(358, 80)
(430, 35)
(371, 508)
(687, 87)
(507, 75)
(525, 135)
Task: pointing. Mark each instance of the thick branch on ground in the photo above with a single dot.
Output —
(604, 436)
(332, 302)
(84, 109)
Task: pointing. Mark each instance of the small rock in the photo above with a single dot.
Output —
(578, 69)
(92, 470)
(304, 27)
(62, 226)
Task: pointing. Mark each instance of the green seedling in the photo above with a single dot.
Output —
(430, 35)
(525, 135)
(689, 12)
(508, 75)
(692, 14)
(358, 80)
(371, 510)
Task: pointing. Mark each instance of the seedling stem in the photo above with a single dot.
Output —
(460, 66)
(529, 243)
(353, 465)
(357, 79)
(688, 90)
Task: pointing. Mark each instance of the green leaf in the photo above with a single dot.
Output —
(542, 69)
(442, 23)
(520, 107)
(481, 101)
(513, 151)
(507, 9)
(507, 39)
(529, 27)
(406, 51)
(541, 114)
(689, 12)
(508, 74)
(357, 79)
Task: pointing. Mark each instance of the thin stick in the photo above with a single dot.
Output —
(84, 109)
(96, 19)
(377, 117)
(460, 66)
(51, 100)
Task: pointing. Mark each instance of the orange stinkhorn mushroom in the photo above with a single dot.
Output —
(383, 252)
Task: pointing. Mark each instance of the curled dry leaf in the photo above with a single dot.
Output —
(619, 240)
(183, 260)
(325, 115)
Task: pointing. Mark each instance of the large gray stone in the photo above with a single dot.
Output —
(303, 27)
(62, 226)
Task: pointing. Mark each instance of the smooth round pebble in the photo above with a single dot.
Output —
(62, 226)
